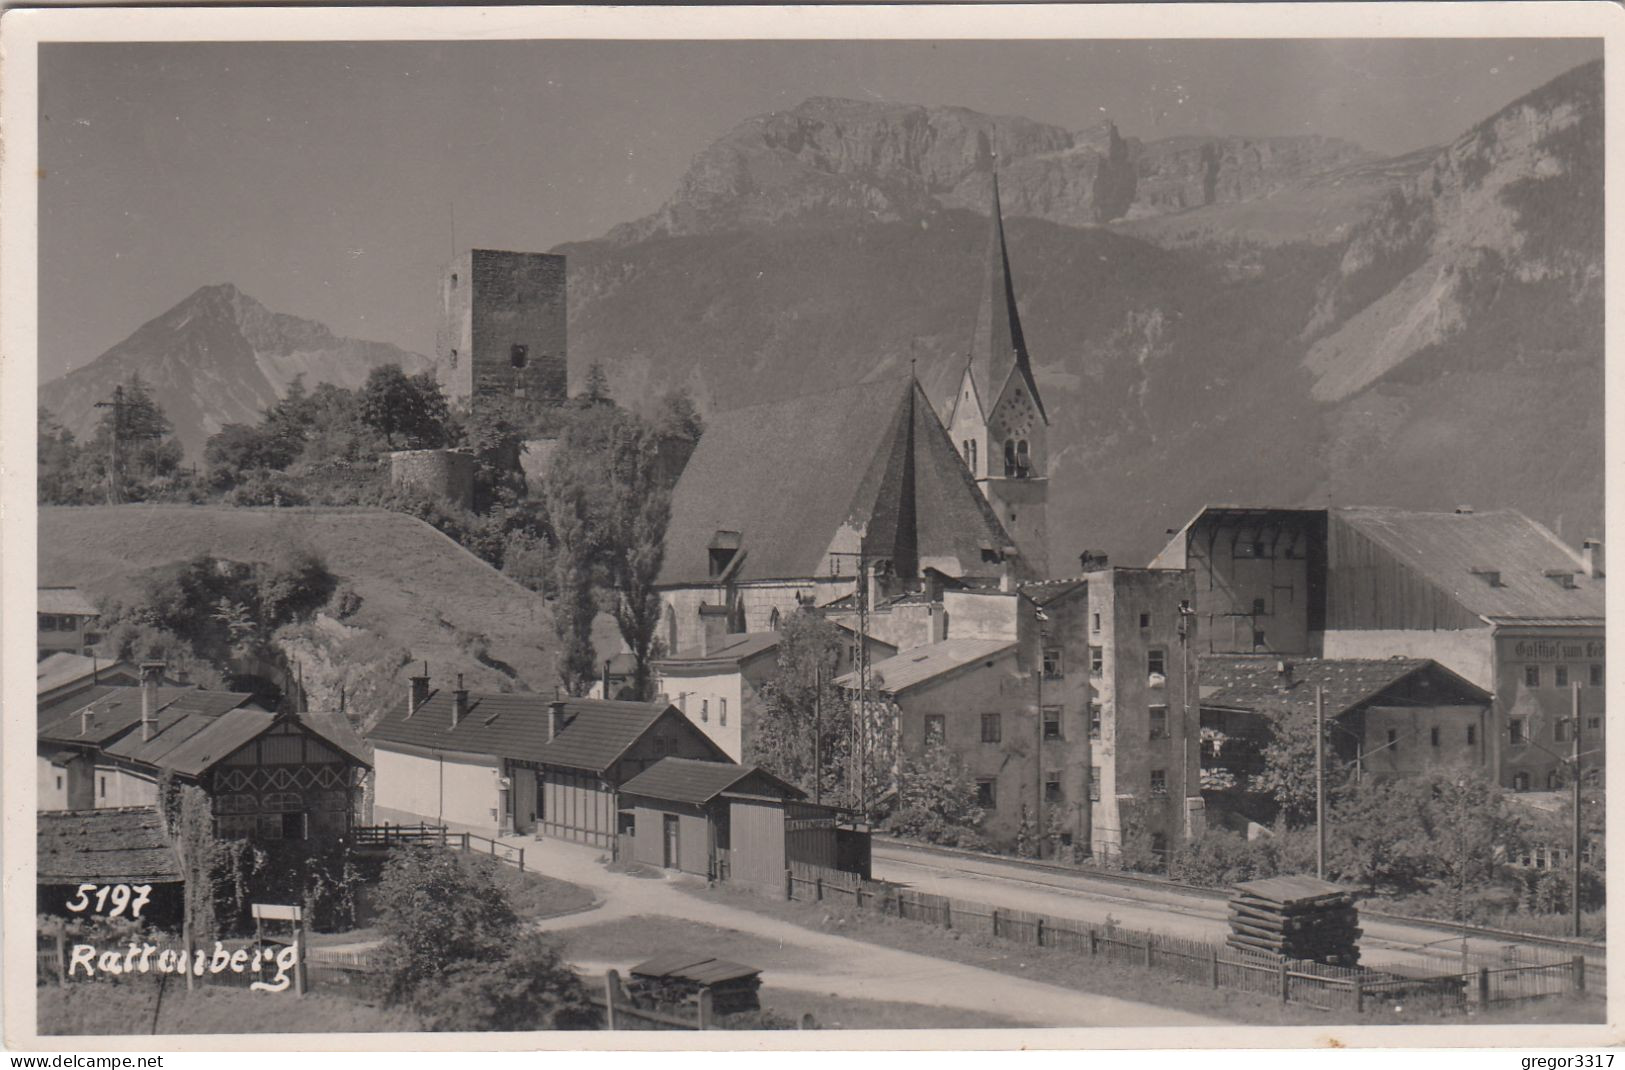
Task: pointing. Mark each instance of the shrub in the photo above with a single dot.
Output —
(260, 488)
(438, 914)
(529, 987)
(346, 601)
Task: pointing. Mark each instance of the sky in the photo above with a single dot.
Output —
(332, 180)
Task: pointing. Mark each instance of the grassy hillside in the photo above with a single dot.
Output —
(423, 596)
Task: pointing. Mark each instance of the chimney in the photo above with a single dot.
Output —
(555, 719)
(151, 673)
(1283, 675)
(459, 703)
(1092, 560)
(1007, 581)
(183, 677)
(419, 693)
(713, 628)
(87, 717)
(1592, 549)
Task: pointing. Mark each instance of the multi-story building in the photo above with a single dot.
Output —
(1493, 596)
(502, 327)
(67, 621)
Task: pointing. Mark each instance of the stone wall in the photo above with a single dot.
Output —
(443, 474)
(502, 327)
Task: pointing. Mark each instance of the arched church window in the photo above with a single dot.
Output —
(973, 455)
(671, 629)
(1009, 457)
(1023, 459)
(773, 621)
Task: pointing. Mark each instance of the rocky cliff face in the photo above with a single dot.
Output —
(848, 162)
(218, 357)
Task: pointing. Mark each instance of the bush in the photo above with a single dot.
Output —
(438, 914)
(346, 601)
(260, 488)
(1219, 859)
(530, 987)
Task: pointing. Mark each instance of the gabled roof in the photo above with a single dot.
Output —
(926, 663)
(116, 845)
(998, 347)
(734, 651)
(870, 457)
(68, 601)
(1446, 547)
(61, 670)
(117, 708)
(595, 735)
(686, 780)
(1048, 591)
(1254, 682)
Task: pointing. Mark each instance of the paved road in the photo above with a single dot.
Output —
(1077, 896)
(870, 971)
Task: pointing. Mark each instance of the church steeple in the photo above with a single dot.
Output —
(998, 346)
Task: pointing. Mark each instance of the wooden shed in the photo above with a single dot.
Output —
(677, 978)
(714, 819)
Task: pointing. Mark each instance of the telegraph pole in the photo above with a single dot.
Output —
(818, 730)
(1574, 881)
(1320, 782)
(860, 714)
(114, 489)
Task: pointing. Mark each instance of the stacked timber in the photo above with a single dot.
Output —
(1296, 918)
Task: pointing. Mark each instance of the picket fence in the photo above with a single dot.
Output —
(1444, 983)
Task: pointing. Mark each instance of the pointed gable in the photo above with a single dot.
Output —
(998, 347)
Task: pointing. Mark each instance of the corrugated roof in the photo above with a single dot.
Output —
(696, 968)
(924, 663)
(116, 845)
(1253, 682)
(1446, 547)
(843, 457)
(689, 781)
(596, 732)
(66, 600)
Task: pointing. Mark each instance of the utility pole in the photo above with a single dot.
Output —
(818, 731)
(860, 713)
(1320, 782)
(114, 488)
(1038, 739)
(1187, 619)
(1574, 772)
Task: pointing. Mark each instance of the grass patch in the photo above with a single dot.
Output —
(533, 895)
(127, 1009)
(831, 1011)
(629, 941)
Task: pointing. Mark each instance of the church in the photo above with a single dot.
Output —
(791, 503)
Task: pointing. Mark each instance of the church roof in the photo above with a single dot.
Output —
(998, 347)
(783, 478)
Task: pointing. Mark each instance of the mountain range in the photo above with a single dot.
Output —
(1287, 320)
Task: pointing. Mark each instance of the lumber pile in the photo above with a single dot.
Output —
(1296, 918)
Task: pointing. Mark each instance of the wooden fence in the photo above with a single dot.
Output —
(1442, 982)
(426, 835)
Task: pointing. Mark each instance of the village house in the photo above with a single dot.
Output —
(66, 621)
(1492, 596)
(521, 762)
(1388, 717)
(898, 498)
(268, 775)
(719, 687)
(116, 845)
(63, 674)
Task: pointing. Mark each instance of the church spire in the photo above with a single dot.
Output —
(998, 347)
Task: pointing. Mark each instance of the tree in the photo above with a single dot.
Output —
(936, 799)
(1289, 766)
(529, 988)
(239, 449)
(565, 500)
(1469, 828)
(803, 685)
(412, 407)
(634, 545)
(597, 389)
(59, 473)
(438, 914)
(1375, 833)
(139, 435)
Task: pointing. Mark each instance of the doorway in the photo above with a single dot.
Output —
(670, 838)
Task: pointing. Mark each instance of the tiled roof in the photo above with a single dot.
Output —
(924, 663)
(65, 668)
(596, 732)
(1445, 547)
(735, 649)
(1254, 682)
(66, 600)
(689, 781)
(117, 707)
(116, 845)
(842, 458)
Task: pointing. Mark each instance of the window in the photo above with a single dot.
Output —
(1009, 457)
(1531, 675)
(990, 728)
(705, 709)
(1596, 676)
(1052, 787)
(1561, 676)
(722, 711)
(1052, 663)
(1097, 660)
(1393, 741)
(1159, 782)
(1259, 607)
(773, 621)
(1052, 722)
(1159, 722)
(973, 455)
(1145, 620)
(1159, 843)
(1023, 461)
(1258, 639)
(936, 729)
(1094, 783)
(519, 355)
(1593, 722)
(1156, 663)
(1520, 781)
(59, 782)
(1472, 734)
(1560, 730)
(987, 794)
(1515, 730)
(1094, 720)
(1095, 624)
(1433, 735)
(104, 787)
